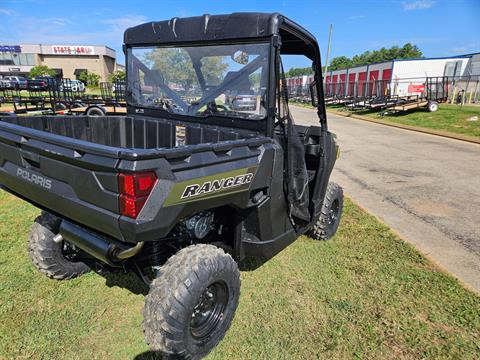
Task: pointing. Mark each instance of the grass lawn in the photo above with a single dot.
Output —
(365, 294)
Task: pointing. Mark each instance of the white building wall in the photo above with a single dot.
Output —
(409, 75)
(404, 69)
(473, 66)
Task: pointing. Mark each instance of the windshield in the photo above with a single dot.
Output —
(225, 80)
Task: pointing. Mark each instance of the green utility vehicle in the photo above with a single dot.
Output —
(185, 186)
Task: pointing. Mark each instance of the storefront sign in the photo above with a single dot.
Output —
(13, 69)
(73, 50)
(416, 88)
(10, 49)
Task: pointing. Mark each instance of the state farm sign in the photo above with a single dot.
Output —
(73, 50)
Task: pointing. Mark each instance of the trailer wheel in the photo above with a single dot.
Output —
(191, 304)
(432, 106)
(60, 106)
(56, 261)
(95, 111)
(327, 223)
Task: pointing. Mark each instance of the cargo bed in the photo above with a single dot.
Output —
(126, 137)
(69, 165)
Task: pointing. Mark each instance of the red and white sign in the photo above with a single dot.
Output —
(412, 88)
(73, 50)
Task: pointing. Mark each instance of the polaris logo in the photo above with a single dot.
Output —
(216, 185)
(34, 179)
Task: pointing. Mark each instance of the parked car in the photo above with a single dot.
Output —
(19, 81)
(246, 101)
(73, 85)
(118, 86)
(6, 84)
(38, 84)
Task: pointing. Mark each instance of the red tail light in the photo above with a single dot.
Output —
(134, 192)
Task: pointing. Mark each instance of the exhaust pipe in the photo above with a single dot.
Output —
(109, 251)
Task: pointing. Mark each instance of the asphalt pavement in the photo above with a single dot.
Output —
(425, 187)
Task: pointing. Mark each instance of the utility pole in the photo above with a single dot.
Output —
(328, 53)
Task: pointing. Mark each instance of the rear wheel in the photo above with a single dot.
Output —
(327, 223)
(191, 304)
(432, 106)
(55, 260)
(95, 111)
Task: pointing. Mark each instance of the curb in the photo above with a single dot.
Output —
(445, 134)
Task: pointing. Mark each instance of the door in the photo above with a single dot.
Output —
(341, 90)
(373, 77)
(386, 77)
(351, 84)
(362, 77)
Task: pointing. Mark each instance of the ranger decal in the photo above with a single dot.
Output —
(216, 185)
(210, 186)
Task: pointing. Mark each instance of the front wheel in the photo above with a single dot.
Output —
(327, 223)
(191, 304)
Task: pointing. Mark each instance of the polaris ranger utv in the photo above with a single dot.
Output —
(184, 186)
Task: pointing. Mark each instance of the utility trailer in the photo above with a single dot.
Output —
(434, 91)
(184, 186)
(111, 102)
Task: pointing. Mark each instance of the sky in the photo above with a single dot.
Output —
(438, 27)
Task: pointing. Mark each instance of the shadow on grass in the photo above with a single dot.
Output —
(129, 281)
(251, 264)
(152, 355)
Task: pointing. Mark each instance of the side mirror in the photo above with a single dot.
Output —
(313, 93)
(240, 57)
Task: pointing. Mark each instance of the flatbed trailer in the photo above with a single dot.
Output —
(99, 110)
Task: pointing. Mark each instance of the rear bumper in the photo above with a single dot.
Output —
(62, 202)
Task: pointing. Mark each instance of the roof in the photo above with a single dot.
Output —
(212, 28)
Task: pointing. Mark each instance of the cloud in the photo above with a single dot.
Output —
(120, 24)
(418, 5)
(465, 48)
(59, 21)
(58, 30)
(6, 11)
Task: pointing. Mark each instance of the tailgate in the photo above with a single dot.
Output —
(65, 179)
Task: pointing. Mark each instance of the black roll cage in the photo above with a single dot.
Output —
(286, 37)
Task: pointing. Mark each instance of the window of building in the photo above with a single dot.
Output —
(17, 59)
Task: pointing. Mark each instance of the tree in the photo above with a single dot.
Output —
(368, 57)
(118, 75)
(299, 72)
(340, 62)
(89, 78)
(41, 70)
(410, 51)
(175, 66)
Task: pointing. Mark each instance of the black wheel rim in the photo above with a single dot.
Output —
(208, 313)
(333, 213)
